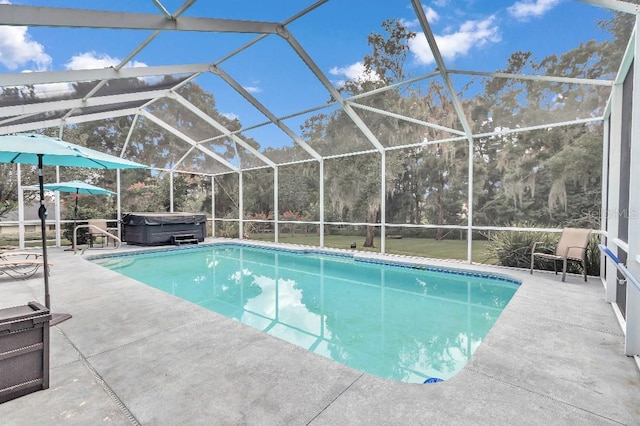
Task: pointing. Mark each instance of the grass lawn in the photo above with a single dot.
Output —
(425, 247)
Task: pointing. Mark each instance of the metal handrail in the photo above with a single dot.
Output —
(607, 251)
(100, 230)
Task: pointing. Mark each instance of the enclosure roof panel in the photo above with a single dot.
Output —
(274, 82)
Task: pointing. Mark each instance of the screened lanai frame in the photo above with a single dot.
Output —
(100, 101)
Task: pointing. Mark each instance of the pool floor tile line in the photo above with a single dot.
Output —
(232, 374)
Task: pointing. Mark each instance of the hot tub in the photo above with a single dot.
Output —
(148, 229)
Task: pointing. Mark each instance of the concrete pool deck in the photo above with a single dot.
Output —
(132, 354)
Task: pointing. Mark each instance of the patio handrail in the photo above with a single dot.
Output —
(98, 229)
(608, 253)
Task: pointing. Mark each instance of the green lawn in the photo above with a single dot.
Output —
(425, 247)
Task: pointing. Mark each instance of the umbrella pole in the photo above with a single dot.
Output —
(75, 216)
(42, 213)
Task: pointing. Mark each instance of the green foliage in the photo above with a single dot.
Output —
(84, 213)
(190, 194)
(227, 229)
(593, 256)
(258, 190)
(550, 177)
(227, 190)
(512, 248)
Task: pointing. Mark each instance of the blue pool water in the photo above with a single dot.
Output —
(404, 323)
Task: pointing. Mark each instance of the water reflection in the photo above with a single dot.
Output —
(399, 323)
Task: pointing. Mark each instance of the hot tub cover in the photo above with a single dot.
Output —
(137, 219)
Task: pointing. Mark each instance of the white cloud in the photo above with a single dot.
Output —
(525, 9)
(252, 89)
(471, 34)
(93, 60)
(409, 24)
(52, 90)
(17, 49)
(231, 116)
(354, 72)
(432, 16)
(441, 3)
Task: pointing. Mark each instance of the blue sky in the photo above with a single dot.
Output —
(472, 35)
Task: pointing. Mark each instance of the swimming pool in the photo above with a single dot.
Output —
(401, 322)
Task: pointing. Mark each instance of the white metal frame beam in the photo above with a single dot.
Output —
(264, 110)
(197, 111)
(41, 107)
(617, 5)
(37, 16)
(187, 139)
(260, 37)
(545, 78)
(435, 50)
(391, 86)
(111, 73)
(25, 127)
(332, 90)
(135, 51)
(627, 59)
(632, 335)
(405, 118)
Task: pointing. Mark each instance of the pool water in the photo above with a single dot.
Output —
(408, 324)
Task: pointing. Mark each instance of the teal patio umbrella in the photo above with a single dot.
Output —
(79, 188)
(42, 151)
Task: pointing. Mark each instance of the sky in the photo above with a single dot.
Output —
(471, 34)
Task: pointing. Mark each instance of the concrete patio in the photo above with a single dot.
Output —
(134, 355)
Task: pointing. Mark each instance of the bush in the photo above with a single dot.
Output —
(513, 248)
(84, 213)
(593, 256)
(227, 229)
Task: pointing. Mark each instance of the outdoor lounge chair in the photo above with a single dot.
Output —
(19, 268)
(25, 254)
(571, 246)
(100, 230)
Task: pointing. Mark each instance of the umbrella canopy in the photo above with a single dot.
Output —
(43, 150)
(78, 187)
(26, 148)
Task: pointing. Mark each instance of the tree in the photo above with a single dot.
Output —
(353, 186)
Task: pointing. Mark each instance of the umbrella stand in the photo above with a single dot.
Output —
(42, 213)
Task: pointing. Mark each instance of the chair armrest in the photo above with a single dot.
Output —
(533, 249)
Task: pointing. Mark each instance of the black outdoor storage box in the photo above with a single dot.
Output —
(24, 350)
(148, 229)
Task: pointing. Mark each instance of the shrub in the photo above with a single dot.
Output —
(227, 229)
(84, 213)
(593, 255)
(513, 248)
